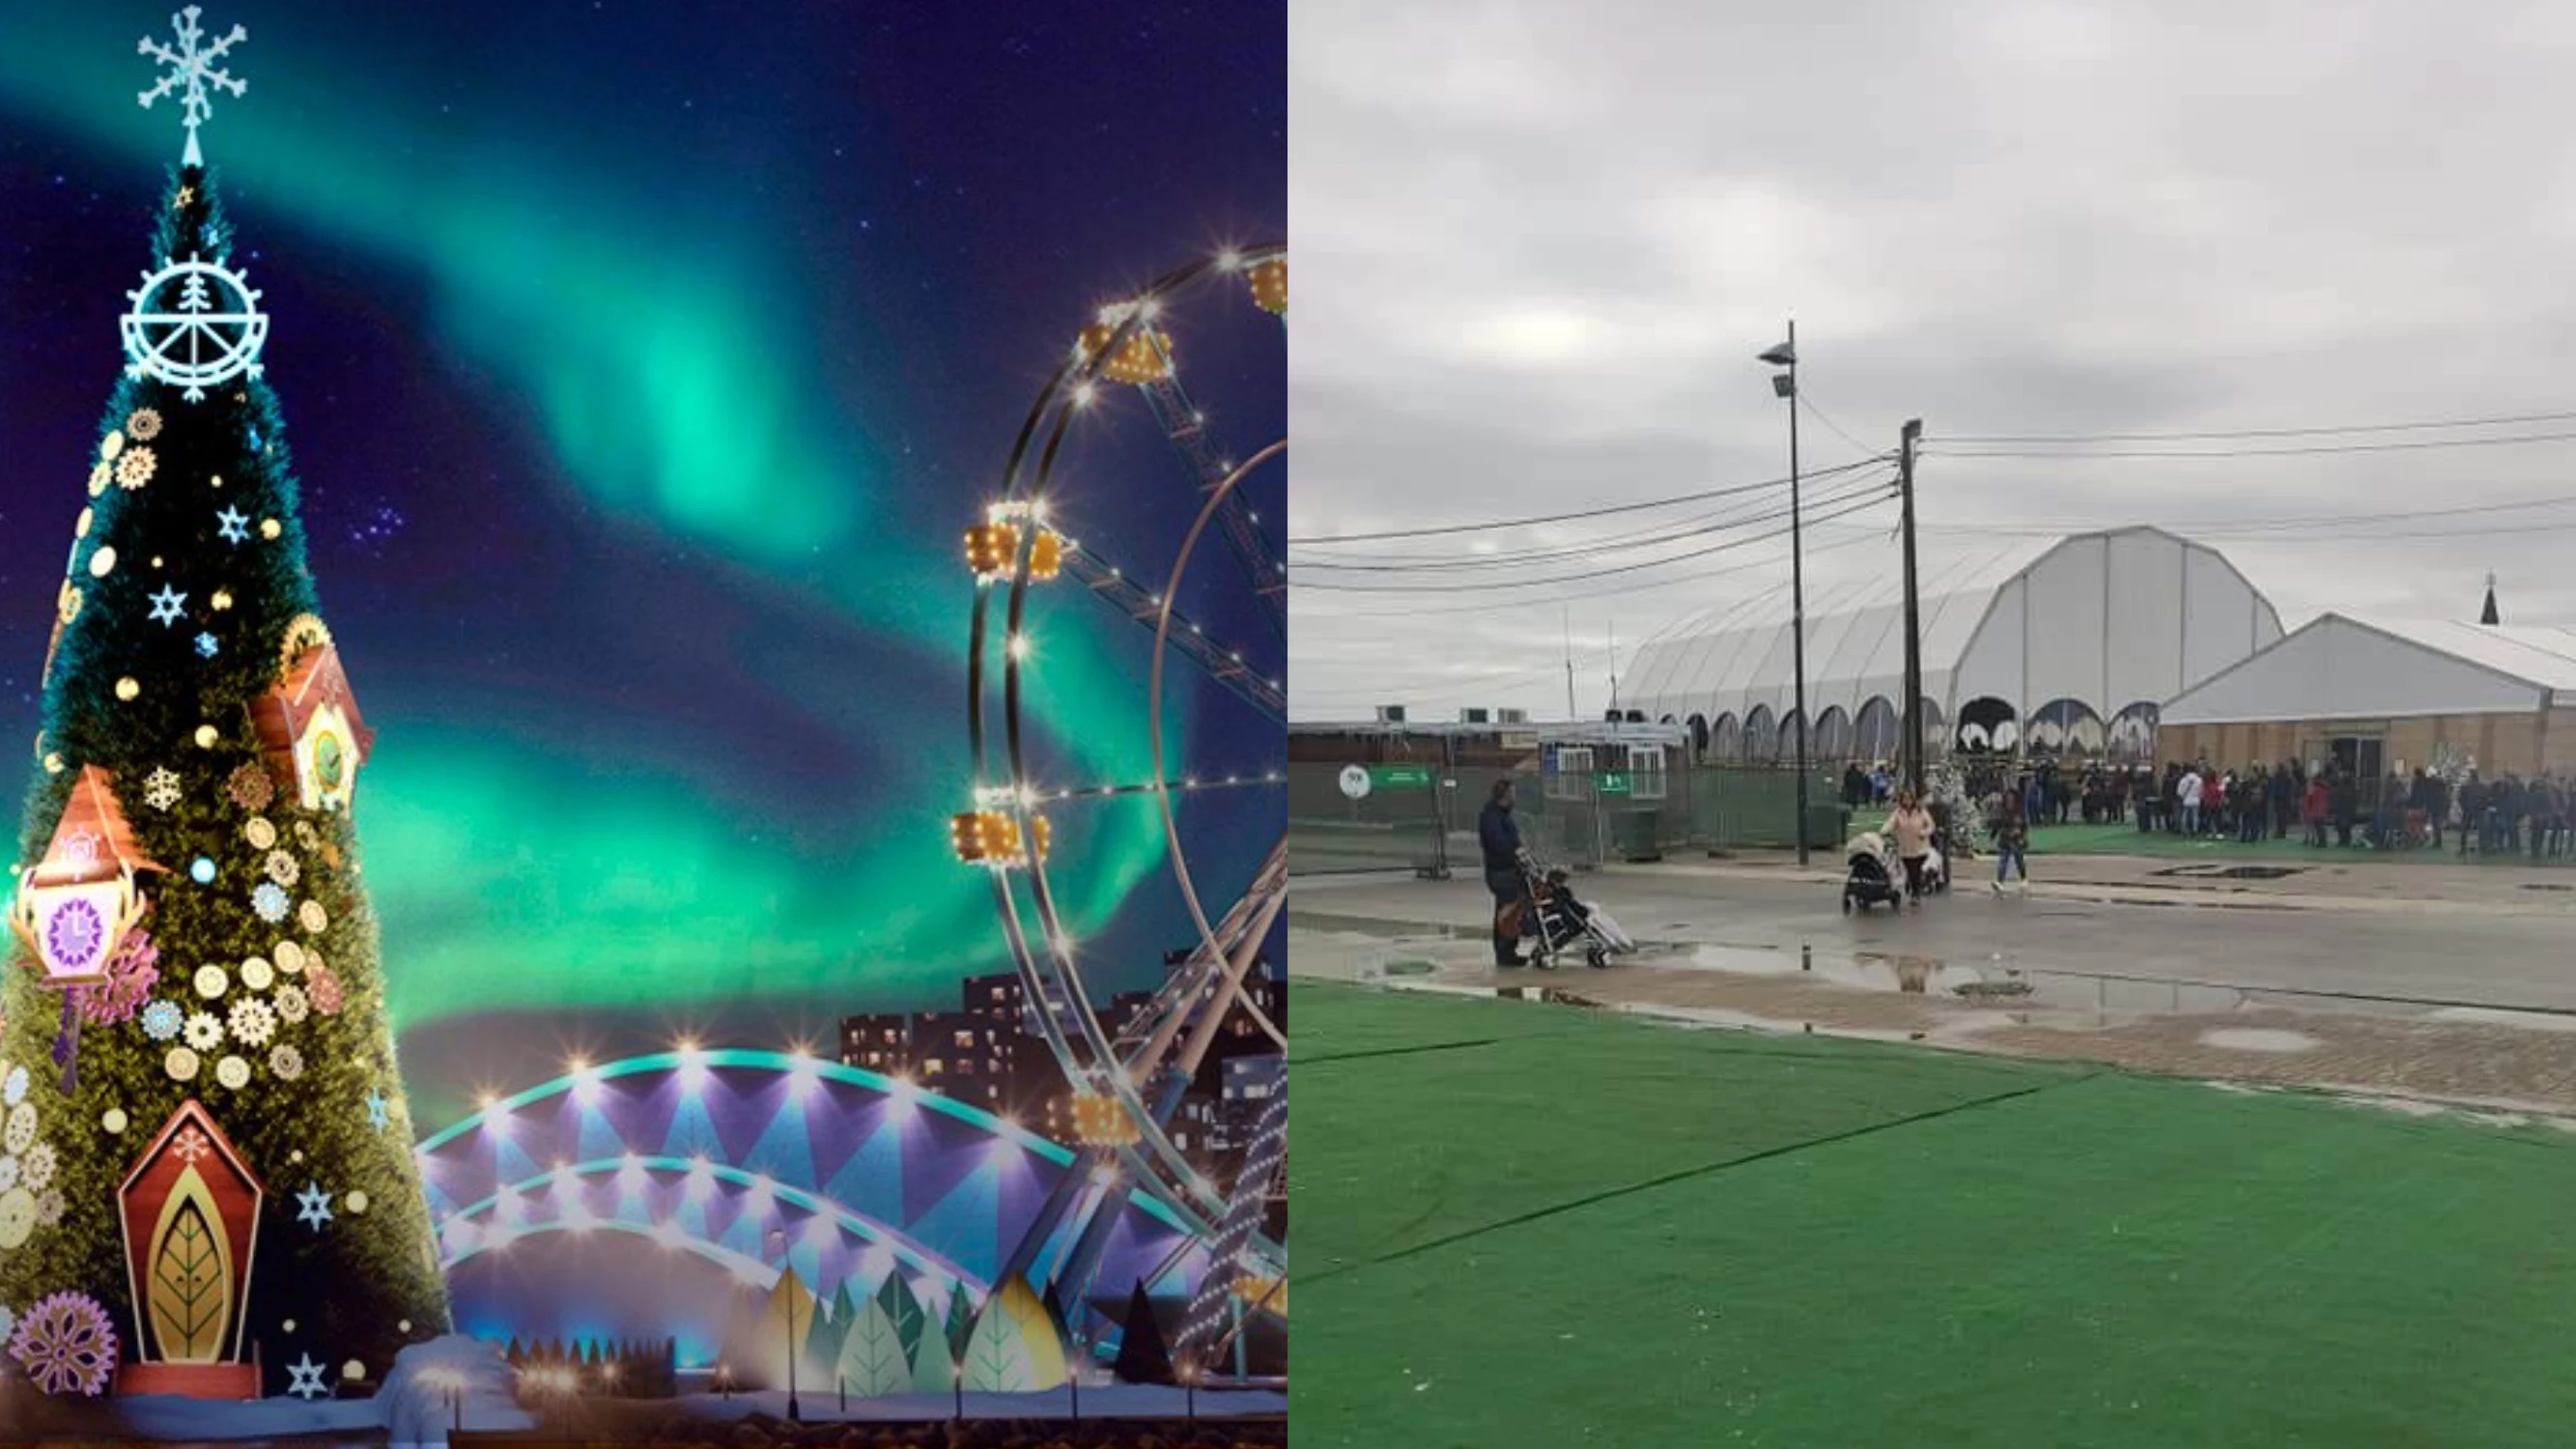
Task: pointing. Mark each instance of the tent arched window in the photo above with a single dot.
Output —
(1879, 732)
(2132, 734)
(2066, 727)
(1761, 736)
(1988, 725)
(1726, 740)
(1833, 734)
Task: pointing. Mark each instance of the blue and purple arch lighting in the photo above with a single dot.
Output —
(737, 1162)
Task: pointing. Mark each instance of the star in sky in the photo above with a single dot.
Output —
(206, 646)
(313, 1206)
(165, 606)
(308, 1379)
(376, 1114)
(234, 525)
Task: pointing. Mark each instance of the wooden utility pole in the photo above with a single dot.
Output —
(1912, 757)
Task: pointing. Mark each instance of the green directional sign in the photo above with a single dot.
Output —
(1400, 777)
(1610, 782)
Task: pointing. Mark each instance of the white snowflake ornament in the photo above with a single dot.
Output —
(161, 789)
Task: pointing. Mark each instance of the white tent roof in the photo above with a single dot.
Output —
(2108, 620)
(2340, 667)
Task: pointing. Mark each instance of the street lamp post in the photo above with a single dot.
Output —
(795, 1413)
(1785, 385)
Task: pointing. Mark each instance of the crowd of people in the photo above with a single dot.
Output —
(2327, 804)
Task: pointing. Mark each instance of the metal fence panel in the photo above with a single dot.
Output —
(1397, 825)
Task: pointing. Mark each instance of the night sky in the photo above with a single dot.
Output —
(643, 367)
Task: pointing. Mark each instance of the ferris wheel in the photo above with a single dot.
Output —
(1212, 625)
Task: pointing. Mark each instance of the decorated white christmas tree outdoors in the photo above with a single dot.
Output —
(205, 1155)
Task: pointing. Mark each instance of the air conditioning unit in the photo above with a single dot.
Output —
(1390, 714)
(1511, 716)
(1475, 716)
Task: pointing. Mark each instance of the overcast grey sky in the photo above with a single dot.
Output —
(1539, 244)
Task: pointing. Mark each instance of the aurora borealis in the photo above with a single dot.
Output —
(642, 367)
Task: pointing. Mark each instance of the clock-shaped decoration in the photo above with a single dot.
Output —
(310, 732)
(74, 907)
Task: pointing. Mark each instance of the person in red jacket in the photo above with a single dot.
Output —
(2313, 808)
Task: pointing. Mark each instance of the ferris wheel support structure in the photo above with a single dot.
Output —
(1128, 1086)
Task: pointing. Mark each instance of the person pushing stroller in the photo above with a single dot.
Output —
(1911, 827)
(1506, 873)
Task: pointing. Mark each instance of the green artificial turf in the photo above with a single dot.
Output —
(2126, 839)
(1962, 1252)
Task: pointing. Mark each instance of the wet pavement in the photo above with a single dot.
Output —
(2474, 953)
(1990, 1001)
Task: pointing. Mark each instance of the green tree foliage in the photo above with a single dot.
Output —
(872, 1362)
(367, 1281)
(905, 1312)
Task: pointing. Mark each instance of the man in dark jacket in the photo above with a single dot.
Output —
(1500, 835)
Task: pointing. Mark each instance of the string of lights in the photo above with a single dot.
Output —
(1496, 525)
(1876, 494)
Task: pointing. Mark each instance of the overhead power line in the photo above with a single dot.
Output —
(2309, 432)
(1495, 525)
(2217, 526)
(2089, 455)
(1410, 613)
(1675, 528)
(1876, 494)
(1601, 549)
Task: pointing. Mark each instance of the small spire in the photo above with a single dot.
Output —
(2488, 614)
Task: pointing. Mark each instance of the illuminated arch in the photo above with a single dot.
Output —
(778, 1141)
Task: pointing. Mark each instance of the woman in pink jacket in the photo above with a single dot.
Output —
(1910, 826)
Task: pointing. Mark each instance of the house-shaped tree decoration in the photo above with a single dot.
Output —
(189, 1210)
(310, 731)
(74, 907)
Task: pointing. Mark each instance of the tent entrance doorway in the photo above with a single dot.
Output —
(2360, 757)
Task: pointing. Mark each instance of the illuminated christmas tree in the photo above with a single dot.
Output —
(205, 1133)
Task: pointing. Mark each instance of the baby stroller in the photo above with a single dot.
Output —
(1566, 924)
(1869, 877)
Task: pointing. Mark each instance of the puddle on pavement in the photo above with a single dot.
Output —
(2256, 1039)
(1992, 982)
(2232, 872)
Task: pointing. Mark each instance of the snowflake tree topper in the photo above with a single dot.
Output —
(192, 68)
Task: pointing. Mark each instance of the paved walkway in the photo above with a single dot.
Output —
(2491, 1060)
(2337, 879)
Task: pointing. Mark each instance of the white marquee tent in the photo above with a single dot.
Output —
(2073, 643)
(2336, 667)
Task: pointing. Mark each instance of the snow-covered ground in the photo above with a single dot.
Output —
(420, 1401)
(418, 1404)
(1108, 1401)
